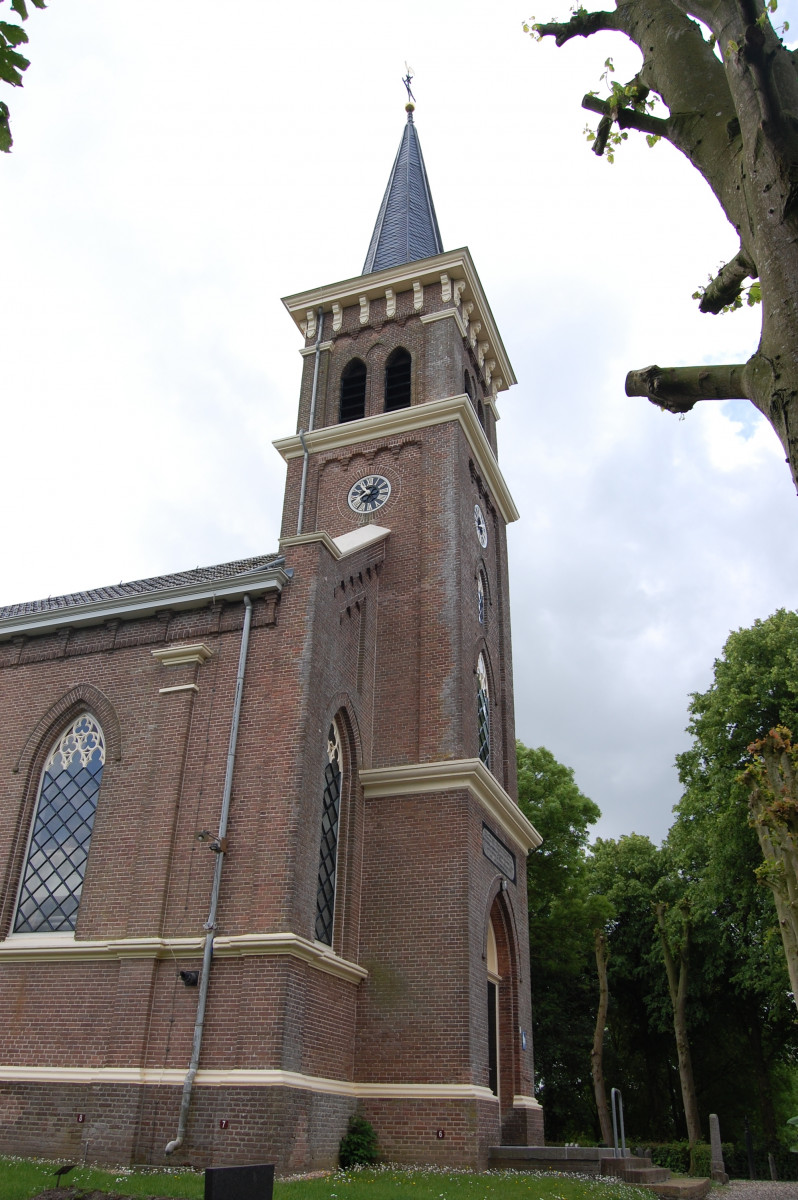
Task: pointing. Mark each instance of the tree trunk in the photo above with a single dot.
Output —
(772, 782)
(731, 102)
(677, 986)
(597, 1053)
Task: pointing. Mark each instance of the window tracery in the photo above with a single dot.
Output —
(328, 852)
(483, 712)
(55, 865)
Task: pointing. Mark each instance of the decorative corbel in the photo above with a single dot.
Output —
(364, 310)
(418, 295)
(390, 303)
(446, 289)
(459, 288)
(310, 324)
(483, 349)
(490, 367)
(338, 317)
(474, 333)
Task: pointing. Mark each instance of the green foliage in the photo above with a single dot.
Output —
(12, 63)
(359, 1144)
(562, 916)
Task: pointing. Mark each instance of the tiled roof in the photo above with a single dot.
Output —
(140, 587)
(407, 228)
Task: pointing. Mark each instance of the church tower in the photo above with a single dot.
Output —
(395, 456)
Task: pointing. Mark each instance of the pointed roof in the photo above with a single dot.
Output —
(407, 228)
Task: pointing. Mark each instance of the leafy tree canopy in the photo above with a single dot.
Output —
(12, 62)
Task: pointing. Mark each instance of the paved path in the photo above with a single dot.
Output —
(756, 1189)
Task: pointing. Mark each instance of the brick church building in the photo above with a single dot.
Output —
(261, 859)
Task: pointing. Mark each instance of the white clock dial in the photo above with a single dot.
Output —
(482, 528)
(369, 493)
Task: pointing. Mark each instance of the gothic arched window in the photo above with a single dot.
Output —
(353, 391)
(397, 380)
(52, 880)
(328, 852)
(483, 711)
(481, 598)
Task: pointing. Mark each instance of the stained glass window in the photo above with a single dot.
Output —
(331, 804)
(59, 845)
(483, 712)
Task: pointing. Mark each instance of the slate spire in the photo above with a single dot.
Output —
(407, 228)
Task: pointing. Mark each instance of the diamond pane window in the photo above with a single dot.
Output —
(325, 897)
(483, 712)
(49, 895)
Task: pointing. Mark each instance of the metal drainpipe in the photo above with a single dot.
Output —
(319, 325)
(210, 924)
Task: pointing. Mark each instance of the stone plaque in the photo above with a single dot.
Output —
(500, 855)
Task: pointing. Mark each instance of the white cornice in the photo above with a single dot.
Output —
(343, 546)
(143, 604)
(54, 948)
(174, 1077)
(177, 655)
(527, 1102)
(407, 420)
(457, 265)
(464, 773)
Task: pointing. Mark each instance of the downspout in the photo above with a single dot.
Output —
(314, 390)
(219, 846)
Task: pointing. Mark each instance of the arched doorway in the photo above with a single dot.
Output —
(502, 1014)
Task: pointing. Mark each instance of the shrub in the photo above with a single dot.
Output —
(359, 1144)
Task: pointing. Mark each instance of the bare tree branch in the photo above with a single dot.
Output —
(727, 284)
(678, 389)
(627, 118)
(581, 24)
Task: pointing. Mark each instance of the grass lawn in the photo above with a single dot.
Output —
(21, 1179)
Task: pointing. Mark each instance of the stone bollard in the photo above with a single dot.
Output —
(718, 1168)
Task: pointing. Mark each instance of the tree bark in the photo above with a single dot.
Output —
(677, 986)
(597, 1053)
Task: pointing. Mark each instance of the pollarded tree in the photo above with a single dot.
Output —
(730, 87)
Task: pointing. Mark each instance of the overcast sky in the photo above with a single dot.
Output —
(176, 170)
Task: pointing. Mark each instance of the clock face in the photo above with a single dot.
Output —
(482, 528)
(369, 493)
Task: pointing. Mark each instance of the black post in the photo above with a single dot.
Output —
(749, 1145)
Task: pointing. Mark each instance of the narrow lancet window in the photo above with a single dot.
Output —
(328, 853)
(62, 825)
(397, 380)
(483, 712)
(481, 599)
(353, 391)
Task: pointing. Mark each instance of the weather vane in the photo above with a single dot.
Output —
(407, 80)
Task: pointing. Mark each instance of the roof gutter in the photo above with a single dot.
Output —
(271, 578)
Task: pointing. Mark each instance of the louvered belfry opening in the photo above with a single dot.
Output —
(397, 380)
(353, 391)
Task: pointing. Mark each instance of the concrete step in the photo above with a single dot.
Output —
(681, 1188)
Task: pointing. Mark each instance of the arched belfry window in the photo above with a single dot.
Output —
(55, 866)
(397, 380)
(328, 852)
(483, 711)
(353, 390)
